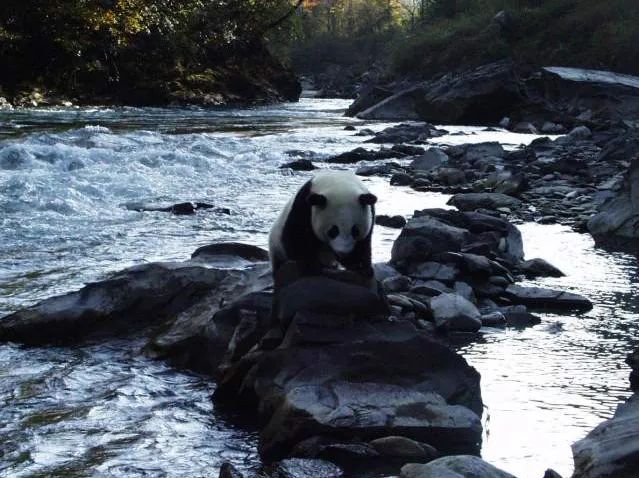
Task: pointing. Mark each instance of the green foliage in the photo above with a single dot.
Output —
(106, 45)
(586, 33)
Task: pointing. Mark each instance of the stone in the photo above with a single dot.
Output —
(433, 270)
(612, 448)
(454, 312)
(399, 106)
(525, 128)
(433, 158)
(395, 222)
(407, 133)
(396, 284)
(404, 448)
(456, 466)
(376, 169)
(408, 385)
(493, 319)
(473, 201)
(229, 250)
(227, 470)
(305, 468)
(299, 165)
(538, 297)
(451, 176)
(362, 154)
(401, 179)
(179, 209)
(328, 295)
(476, 96)
(618, 218)
(127, 301)
(539, 268)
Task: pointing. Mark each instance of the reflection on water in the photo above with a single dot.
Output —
(104, 410)
(547, 386)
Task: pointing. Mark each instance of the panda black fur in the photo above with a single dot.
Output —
(330, 219)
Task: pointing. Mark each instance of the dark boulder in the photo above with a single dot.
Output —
(407, 133)
(361, 154)
(477, 96)
(406, 384)
(179, 209)
(612, 448)
(619, 218)
(299, 165)
(462, 466)
(538, 297)
(474, 201)
(129, 300)
(396, 222)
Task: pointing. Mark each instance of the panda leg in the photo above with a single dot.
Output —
(360, 259)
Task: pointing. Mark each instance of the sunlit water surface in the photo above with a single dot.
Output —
(103, 410)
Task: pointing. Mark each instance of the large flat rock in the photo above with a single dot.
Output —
(339, 377)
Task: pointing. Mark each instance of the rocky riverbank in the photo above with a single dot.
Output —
(338, 381)
(583, 174)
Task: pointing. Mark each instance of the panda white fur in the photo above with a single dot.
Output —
(330, 219)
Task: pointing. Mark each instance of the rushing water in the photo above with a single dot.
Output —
(66, 177)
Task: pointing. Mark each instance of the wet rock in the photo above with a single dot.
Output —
(612, 448)
(361, 154)
(539, 268)
(451, 176)
(473, 201)
(336, 296)
(518, 316)
(454, 312)
(396, 284)
(187, 292)
(550, 473)
(227, 470)
(303, 390)
(633, 360)
(459, 466)
(128, 300)
(396, 222)
(407, 133)
(305, 468)
(179, 209)
(368, 98)
(433, 270)
(477, 96)
(401, 179)
(433, 158)
(299, 165)
(619, 217)
(494, 319)
(5, 104)
(538, 297)
(433, 231)
(525, 127)
(378, 169)
(227, 251)
(404, 448)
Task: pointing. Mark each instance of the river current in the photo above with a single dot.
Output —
(68, 180)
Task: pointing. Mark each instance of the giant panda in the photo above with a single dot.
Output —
(329, 220)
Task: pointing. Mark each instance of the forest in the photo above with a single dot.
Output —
(215, 52)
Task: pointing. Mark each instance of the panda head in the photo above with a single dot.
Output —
(341, 210)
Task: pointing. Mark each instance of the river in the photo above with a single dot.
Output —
(66, 179)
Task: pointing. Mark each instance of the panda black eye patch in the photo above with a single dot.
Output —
(333, 232)
(355, 231)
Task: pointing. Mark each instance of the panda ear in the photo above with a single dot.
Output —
(318, 200)
(367, 199)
